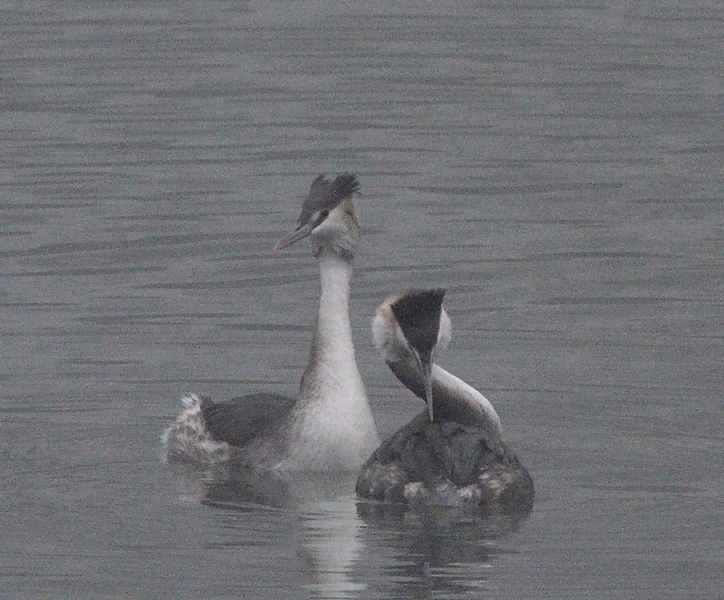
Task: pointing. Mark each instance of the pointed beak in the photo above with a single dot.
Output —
(298, 234)
(424, 361)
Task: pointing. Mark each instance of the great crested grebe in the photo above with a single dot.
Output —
(451, 454)
(329, 426)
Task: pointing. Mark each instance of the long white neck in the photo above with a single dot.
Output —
(332, 349)
(333, 424)
(453, 399)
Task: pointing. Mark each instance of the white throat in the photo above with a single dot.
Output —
(453, 399)
(332, 423)
(333, 336)
(467, 395)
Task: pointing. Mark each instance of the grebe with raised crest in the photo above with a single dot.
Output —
(329, 426)
(451, 454)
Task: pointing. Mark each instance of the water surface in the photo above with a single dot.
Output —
(556, 166)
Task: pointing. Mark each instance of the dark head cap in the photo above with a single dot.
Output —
(325, 194)
(418, 314)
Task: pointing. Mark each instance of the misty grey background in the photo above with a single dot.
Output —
(556, 165)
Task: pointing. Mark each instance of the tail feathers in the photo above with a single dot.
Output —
(194, 401)
(187, 438)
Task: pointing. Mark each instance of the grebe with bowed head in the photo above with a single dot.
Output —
(329, 426)
(451, 454)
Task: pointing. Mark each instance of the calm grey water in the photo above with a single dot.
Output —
(556, 165)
